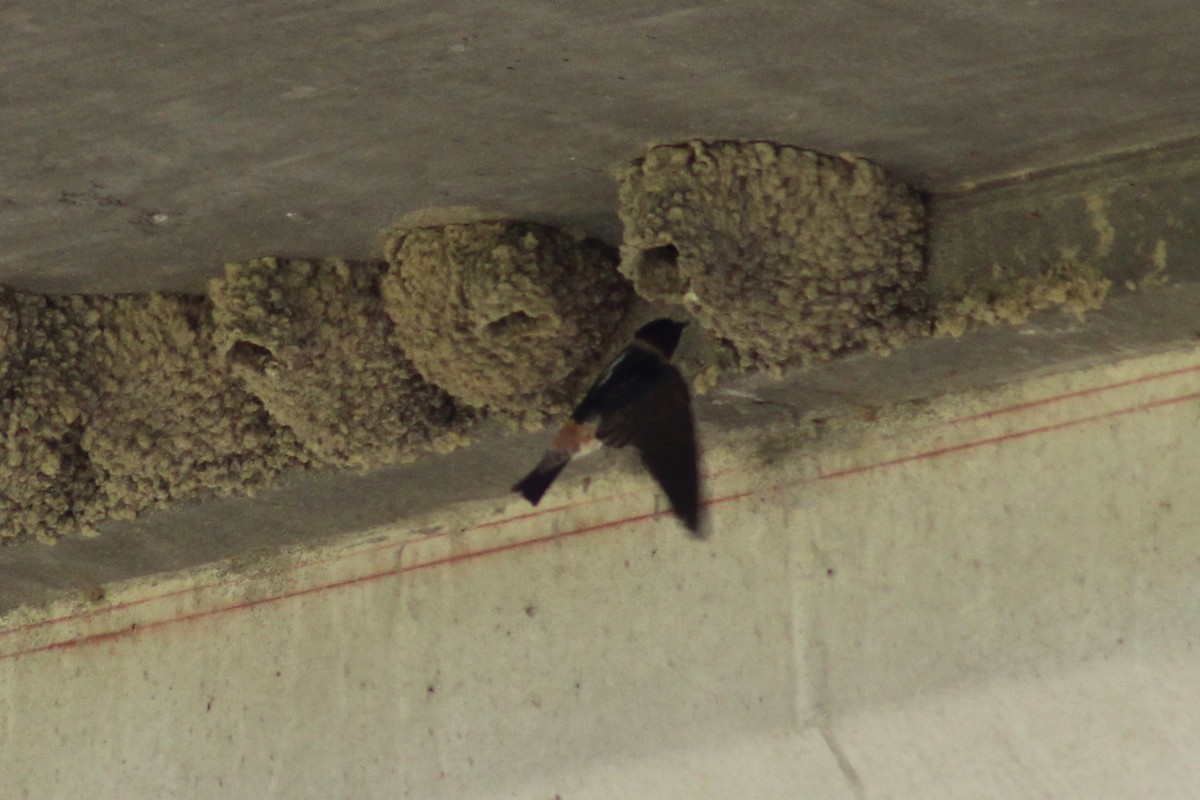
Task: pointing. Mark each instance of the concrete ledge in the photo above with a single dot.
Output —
(1132, 215)
(977, 593)
(848, 393)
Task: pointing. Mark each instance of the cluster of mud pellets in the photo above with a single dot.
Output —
(115, 404)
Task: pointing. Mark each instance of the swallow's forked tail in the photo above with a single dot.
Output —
(535, 484)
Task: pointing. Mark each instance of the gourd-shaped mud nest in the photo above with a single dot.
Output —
(510, 317)
(785, 254)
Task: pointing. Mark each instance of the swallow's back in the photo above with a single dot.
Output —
(627, 380)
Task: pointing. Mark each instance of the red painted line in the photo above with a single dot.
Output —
(459, 557)
(299, 564)
(116, 607)
(1073, 395)
(503, 548)
(97, 638)
(1007, 437)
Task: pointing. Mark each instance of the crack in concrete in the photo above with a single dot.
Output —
(818, 672)
(825, 726)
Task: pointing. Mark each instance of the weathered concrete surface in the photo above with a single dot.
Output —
(987, 593)
(146, 146)
(1135, 217)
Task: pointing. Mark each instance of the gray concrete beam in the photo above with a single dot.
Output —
(145, 147)
(1135, 217)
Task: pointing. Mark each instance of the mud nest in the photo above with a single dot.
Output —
(510, 317)
(312, 341)
(115, 404)
(785, 254)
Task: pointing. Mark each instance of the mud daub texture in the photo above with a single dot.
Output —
(785, 254)
(312, 341)
(112, 405)
(510, 317)
(1071, 286)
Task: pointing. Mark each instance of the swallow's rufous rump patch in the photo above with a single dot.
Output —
(576, 437)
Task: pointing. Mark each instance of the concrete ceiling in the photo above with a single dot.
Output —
(145, 144)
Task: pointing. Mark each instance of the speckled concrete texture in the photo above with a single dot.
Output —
(965, 596)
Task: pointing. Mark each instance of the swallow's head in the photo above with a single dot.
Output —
(661, 334)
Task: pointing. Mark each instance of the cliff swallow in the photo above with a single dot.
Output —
(641, 399)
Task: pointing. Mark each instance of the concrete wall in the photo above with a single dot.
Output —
(146, 147)
(994, 597)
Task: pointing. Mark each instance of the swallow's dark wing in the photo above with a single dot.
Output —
(660, 427)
